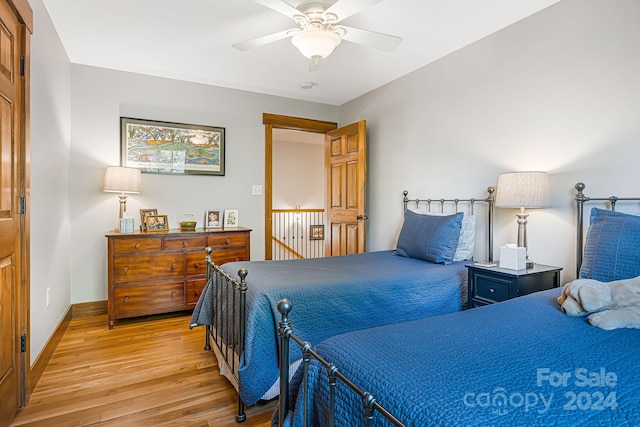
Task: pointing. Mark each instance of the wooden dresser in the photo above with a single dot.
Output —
(162, 272)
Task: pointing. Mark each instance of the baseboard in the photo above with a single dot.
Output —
(88, 309)
(47, 352)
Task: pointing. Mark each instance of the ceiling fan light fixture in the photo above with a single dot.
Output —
(316, 44)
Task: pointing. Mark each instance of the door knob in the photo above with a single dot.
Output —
(361, 217)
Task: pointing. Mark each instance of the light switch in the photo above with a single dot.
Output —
(256, 190)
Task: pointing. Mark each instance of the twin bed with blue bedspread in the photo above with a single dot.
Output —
(519, 362)
(424, 277)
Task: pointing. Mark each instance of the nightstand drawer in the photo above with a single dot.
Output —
(493, 289)
(491, 284)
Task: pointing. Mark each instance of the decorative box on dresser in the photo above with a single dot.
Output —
(488, 285)
(162, 272)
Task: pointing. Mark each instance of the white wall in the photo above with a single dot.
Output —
(557, 91)
(50, 151)
(298, 174)
(100, 97)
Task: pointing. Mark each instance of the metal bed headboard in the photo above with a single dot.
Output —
(490, 200)
(581, 199)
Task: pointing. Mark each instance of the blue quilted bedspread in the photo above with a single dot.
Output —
(518, 363)
(335, 295)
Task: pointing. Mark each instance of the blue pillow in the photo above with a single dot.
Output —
(429, 238)
(612, 249)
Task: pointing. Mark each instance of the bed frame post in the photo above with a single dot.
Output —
(242, 289)
(284, 331)
(580, 199)
(207, 338)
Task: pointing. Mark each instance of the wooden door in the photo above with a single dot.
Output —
(345, 173)
(13, 236)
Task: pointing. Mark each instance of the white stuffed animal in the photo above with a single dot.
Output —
(610, 305)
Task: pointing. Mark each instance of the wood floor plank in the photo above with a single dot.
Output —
(150, 371)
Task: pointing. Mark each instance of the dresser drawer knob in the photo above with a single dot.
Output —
(138, 245)
(197, 292)
(492, 290)
(173, 266)
(196, 265)
(125, 269)
(125, 299)
(227, 240)
(184, 243)
(173, 294)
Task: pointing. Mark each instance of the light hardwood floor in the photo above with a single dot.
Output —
(150, 371)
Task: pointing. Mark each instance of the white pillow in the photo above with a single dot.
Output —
(467, 240)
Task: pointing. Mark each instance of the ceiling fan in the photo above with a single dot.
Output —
(317, 31)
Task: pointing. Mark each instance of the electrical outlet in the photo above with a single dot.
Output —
(48, 296)
(256, 190)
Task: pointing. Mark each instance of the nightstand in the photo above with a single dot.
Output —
(487, 285)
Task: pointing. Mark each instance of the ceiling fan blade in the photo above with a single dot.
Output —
(261, 41)
(281, 7)
(384, 42)
(345, 8)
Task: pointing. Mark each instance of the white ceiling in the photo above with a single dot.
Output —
(191, 40)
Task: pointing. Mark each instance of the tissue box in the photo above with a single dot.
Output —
(126, 225)
(513, 258)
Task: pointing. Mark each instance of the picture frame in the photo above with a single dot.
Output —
(156, 223)
(172, 148)
(143, 215)
(213, 219)
(230, 218)
(316, 232)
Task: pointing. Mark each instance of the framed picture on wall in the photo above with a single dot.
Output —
(172, 148)
(143, 216)
(213, 219)
(316, 232)
(230, 218)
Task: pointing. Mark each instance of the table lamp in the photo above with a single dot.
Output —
(523, 190)
(122, 180)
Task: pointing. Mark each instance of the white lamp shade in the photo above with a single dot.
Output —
(523, 190)
(119, 179)
(316, 43)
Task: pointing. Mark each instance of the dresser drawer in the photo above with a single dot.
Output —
(227, 240)
(185, 243)
(147, 267)
(219, 257)
(194, 289)
(148, 298)
(492, 288)
(196, 263)
(133, 245)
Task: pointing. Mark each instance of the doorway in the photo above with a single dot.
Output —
(298, 194)
(277, 122)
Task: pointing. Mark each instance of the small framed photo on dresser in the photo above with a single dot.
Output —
(143, 216)
(230, 218)
(212, 219)
(157, 223)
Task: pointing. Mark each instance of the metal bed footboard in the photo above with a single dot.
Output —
(229, 319)
(285, 331)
